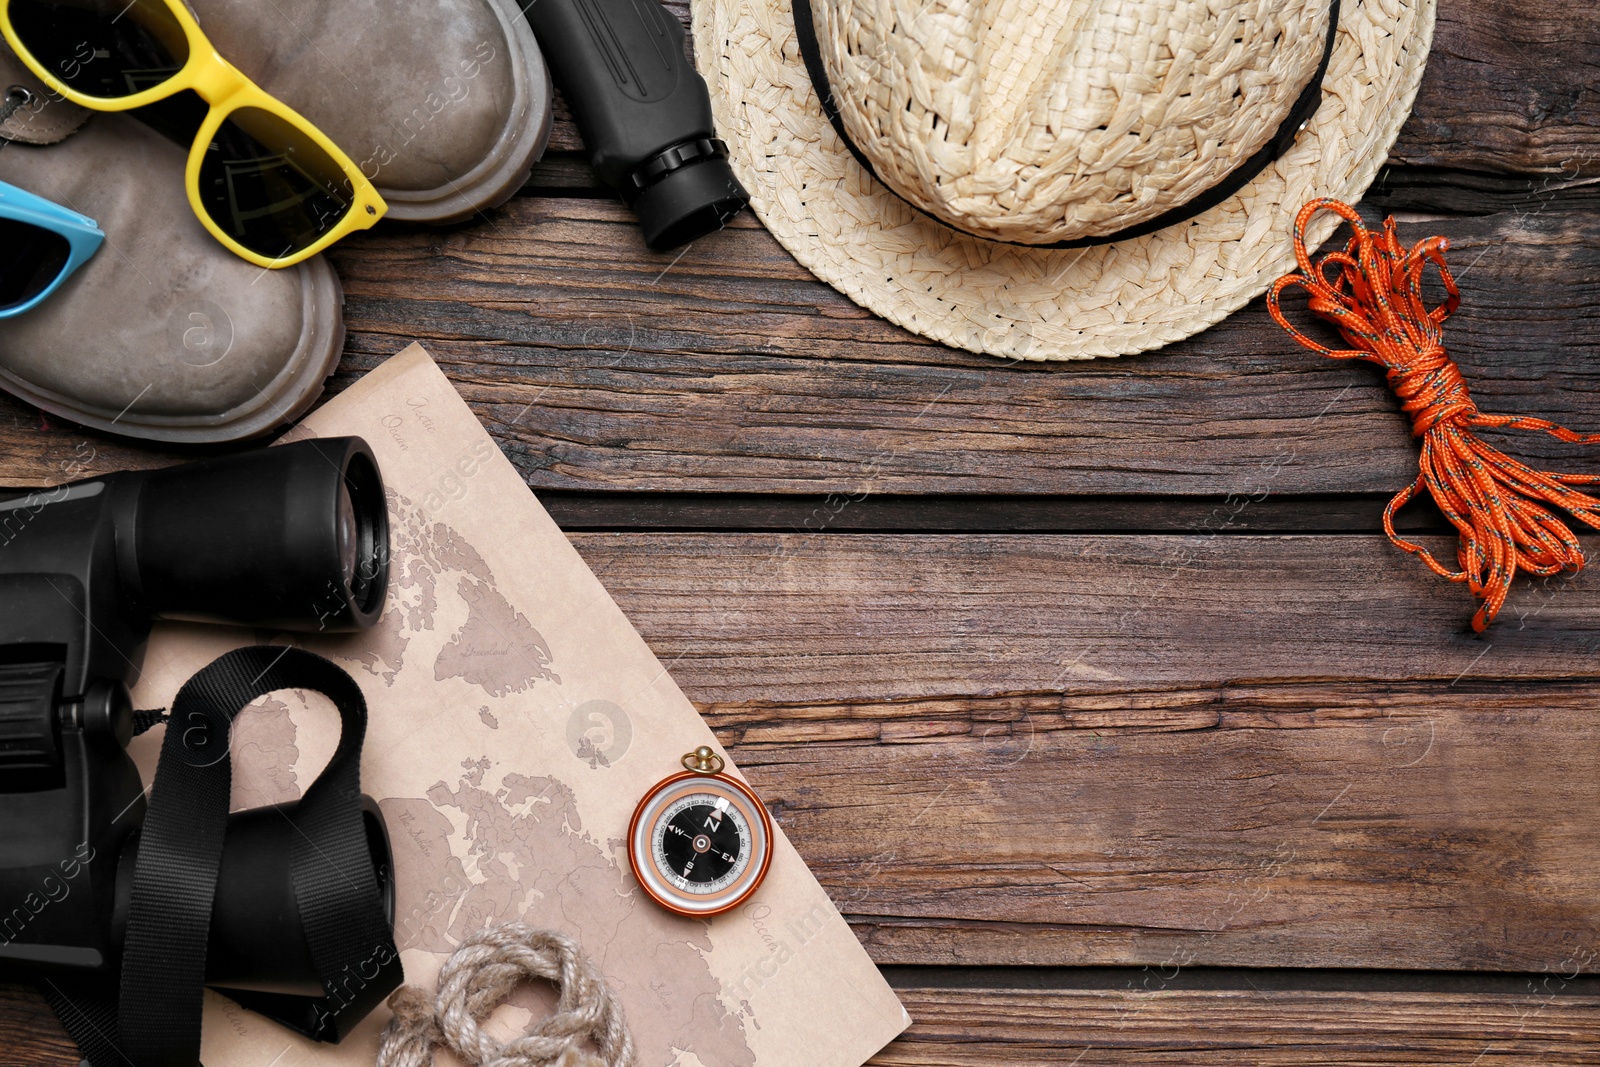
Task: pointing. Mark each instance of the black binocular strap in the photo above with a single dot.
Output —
(158, 1007)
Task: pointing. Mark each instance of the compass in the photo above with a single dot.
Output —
(700, 842)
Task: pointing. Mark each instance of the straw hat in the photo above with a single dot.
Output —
(1055, 179)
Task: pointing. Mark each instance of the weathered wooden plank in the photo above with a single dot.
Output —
(600, 365)
(1319, 825)
(990, 1028)
(564, 173)
(30, 1035)
(728, 368)
(1510, 86)
(1351, 513)
(1252, 751)
(1418, 194)
(39, 450)
(826, 619)
(1003, 1027)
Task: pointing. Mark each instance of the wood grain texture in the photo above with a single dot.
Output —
(599, 365)
(30, 1034)
(729, 368)
(1511, 86)
(990, 1028)
(1241, 751)
(754, 512)
(1011, 1028)
(1300, 826)
(1418, 194)
(800, 619)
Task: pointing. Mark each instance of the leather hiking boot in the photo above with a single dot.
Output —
(164, 334)
(444, 104)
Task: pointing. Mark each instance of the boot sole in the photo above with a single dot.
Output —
(522, 141)
(288, 396)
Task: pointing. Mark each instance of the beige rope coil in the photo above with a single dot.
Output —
(476, 980)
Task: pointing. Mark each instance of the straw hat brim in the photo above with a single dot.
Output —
(1044, 304)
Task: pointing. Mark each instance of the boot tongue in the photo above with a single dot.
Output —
(34, 114)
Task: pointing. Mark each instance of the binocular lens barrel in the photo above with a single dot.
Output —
(294, 537)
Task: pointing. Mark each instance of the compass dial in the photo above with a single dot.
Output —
(700, 843)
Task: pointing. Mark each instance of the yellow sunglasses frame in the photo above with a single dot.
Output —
(225, 89)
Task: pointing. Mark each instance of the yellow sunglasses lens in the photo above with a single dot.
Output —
(269, 186)
(108, 49)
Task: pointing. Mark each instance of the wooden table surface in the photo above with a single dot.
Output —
(1092, 693)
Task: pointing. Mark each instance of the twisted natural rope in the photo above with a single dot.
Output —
(477, 978)
(1497, 504)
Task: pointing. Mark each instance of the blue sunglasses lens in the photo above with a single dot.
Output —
(30, 259)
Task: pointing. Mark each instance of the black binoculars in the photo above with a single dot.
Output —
(644, 113)
(288, 538)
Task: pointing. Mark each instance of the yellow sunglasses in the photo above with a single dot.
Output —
(267, 183)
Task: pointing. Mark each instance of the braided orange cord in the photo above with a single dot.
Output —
(1502, 508)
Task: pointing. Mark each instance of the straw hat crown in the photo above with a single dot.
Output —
(1043, 121)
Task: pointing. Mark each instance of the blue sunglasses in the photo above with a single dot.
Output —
(40, 244)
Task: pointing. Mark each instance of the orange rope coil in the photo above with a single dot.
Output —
(1505, 511)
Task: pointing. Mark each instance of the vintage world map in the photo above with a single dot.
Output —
(515, 719)
(495, 845)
